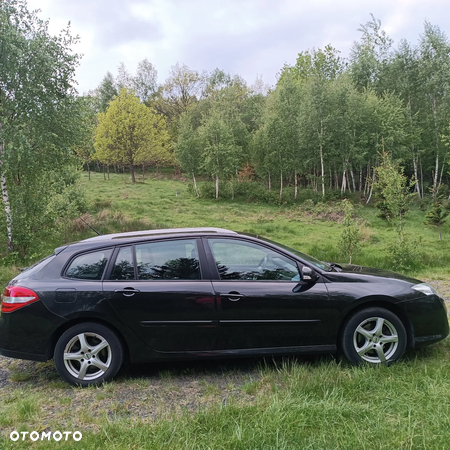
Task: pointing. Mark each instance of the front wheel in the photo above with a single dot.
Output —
(374, 335)
(88, 353)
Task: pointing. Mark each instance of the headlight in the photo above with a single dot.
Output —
(425, 289)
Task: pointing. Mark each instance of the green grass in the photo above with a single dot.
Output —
(118, 205)
(290, 404)
(19, 376)
(311, 403)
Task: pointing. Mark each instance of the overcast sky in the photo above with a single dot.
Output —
(246, 37)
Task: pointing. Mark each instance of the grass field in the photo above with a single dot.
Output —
(292, 403)
(249, 404)
(118, 205)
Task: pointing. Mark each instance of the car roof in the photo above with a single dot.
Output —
(127, 236)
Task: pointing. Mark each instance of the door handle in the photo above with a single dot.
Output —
(127, 292)
(233, 296)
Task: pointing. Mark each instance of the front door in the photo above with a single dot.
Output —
(261, 303)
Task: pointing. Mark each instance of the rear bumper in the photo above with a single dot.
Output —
(26, 333)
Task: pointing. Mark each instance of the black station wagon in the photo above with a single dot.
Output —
(206, 292)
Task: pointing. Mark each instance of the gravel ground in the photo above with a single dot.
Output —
(145, 393)
(142, 392)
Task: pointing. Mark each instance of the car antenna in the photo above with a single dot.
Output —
(92, 228)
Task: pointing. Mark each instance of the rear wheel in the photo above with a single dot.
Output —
(88, 353)
(374, 335)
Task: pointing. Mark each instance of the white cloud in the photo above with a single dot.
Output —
(248, 37)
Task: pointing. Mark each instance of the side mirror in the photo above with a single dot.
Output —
(309, 275)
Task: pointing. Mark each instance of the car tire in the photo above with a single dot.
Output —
(88, 353)
(375, 336)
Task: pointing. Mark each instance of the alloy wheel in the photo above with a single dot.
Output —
(87, 356)
(375, 340)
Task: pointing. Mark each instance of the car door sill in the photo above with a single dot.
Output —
(304, 349)
(164, 323)
(234, 322)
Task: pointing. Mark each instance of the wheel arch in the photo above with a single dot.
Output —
(63, 328)
(378, 302)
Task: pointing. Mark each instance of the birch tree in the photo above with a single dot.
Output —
(434, 67)
(37, 111)
(220, 150)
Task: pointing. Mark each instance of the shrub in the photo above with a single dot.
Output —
(350, 240)
(404, 254)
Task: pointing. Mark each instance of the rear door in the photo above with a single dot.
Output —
(162, 290)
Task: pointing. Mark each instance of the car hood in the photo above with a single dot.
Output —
(354, 272)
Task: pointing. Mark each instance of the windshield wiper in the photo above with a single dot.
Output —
(335, 267)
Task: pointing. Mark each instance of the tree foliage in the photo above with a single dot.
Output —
(221, 152)
(105, 92)
(394, 191)
(188, 149)
(438, 213)
(130, 133)
(350, 240)
(325, 122)
(39, 120)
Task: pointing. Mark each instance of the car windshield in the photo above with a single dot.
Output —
(320, 264)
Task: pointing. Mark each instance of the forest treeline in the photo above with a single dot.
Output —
(322, 126)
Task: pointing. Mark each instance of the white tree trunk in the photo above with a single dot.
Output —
(416, 177)
(296, 184)
(344, 182)
(5, 198)
(436, 171)
(421, 177)
(323, 171)
(371, 186)
(217, 187)
(281, 185)
(442, 172)
(353, 179)
(436, 174)
(195, 185)
(321, 161)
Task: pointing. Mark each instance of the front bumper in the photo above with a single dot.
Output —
(429, 319)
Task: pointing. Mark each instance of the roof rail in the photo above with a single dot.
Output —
(143, 233)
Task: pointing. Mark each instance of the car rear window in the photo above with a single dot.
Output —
(89, 266)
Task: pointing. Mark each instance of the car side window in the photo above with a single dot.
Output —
(168, 260)
(89, 266)
(124, 266)
(241, 260)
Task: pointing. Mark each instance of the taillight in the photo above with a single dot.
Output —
(15, 297)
